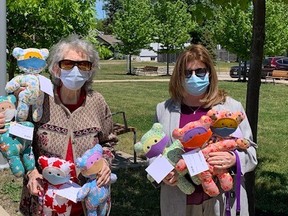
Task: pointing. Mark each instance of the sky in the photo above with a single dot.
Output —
(100, 12)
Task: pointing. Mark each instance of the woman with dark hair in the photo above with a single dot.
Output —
(194, 90)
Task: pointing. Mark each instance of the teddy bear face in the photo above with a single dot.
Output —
(7, 107)
(153, 141)
(56, 171)
(91, 161)
(31, 60)
(194, 134)
(225, 122)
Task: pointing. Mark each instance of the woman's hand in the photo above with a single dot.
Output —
(35, 185)
(17, 92)
(103, 177)
(171, 179)
(222, 160)
(2, 123)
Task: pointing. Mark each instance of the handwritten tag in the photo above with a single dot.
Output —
(69, 191)
(195, 162)
(159, 168)
(46, 85)
(21, 131)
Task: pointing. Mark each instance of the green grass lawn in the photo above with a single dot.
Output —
(139, 100)
(133, 195)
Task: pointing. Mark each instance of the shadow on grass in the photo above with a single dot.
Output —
(133, 194)
(271, 192)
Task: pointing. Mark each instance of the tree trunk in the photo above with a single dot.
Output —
(129, 65)
(245, 71)
(168, 60)
(253, 88)
(240, 70)
(12, 67)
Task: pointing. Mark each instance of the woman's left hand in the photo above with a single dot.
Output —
(221, 160)
(103, 177)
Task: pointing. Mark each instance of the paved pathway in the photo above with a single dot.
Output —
(221, 76)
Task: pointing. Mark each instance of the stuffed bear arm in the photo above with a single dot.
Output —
(13, 84)
(84, 191)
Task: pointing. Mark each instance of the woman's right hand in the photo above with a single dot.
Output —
(35, 185)
(171, 179)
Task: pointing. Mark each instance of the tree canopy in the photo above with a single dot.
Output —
(41, 23)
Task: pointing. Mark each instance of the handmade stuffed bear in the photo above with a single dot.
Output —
(154, 142)
(97, 200)
(222, 124)
(16, 150)
(31, 61)
(194, 134)
(56, 175)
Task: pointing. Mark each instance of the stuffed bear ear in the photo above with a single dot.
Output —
(43, 161)
(98, 148)
(157, 127)
(138, 147)
(12, 98)
(17, 51)
(45, 53)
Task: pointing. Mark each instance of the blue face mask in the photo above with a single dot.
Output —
(32, 65)
(74, 79)
(197, 85)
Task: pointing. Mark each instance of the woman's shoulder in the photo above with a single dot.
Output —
(95, 95)
(167, 103)
(231, 104)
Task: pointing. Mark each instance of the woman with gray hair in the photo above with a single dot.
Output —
(73, 121)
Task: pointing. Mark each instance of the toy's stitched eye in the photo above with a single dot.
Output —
(58, 174)
(148, 147)
(50, 173)
(155, 141)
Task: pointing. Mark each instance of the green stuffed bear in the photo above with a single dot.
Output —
(155, 142)
(16, 150)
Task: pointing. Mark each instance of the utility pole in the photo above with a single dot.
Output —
(3, 161)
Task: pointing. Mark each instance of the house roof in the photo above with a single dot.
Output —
(108, 39)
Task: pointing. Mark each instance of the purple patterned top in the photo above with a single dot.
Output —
(187, 115)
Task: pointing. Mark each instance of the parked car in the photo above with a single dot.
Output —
(270, 62)
(282, 64)
(234, 70)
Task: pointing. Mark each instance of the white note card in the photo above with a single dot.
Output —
(195, 162)
(46, 85)
(69, 191)
(22, 131)
(159, 168)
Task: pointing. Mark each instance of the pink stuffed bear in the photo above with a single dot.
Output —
(194, 134)
(198, 135)
(56, 174)
(224, 123)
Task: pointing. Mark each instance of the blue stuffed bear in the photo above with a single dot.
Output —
(31, 62)
(17, 150)
(97, 200)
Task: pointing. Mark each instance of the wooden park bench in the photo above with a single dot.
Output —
(277, 74)
(122, 128)
(147, 70)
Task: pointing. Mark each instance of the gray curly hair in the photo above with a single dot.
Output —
(73, 42)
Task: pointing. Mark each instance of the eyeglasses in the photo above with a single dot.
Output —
(199, 72)
(69, 64)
